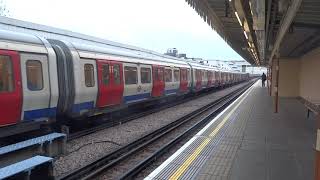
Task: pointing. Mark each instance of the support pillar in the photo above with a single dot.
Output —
(270, 89)
(268, 75)
(276, 87)
(317, 160)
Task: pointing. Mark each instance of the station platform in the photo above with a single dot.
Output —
(248, 141)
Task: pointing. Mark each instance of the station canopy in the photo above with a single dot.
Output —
(260, 29)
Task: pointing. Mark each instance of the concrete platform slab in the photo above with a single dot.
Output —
(253, 143)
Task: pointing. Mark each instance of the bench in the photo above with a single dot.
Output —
(51, 145)
(37, 167)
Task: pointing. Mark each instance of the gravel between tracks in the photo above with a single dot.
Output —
(93, 146)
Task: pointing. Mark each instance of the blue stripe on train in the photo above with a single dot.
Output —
(135, 98)
(39, 113)
(82, 106)
(171, 91)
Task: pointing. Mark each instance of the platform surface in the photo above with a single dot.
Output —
(248, 141)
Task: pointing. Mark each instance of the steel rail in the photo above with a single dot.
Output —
(96, 167)
(113, 123)
(146, 162)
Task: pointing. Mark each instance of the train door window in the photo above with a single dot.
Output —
(105, 74)
(145, 75)
(155, 74)
(160, 74)
(89, 75)
(6, 74)
(188, 74)
(116, 74)
(184, 75)
(176, 75)
(168, 75)
(34, 75)
(131, 76)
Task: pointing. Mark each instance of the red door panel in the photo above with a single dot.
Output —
(183, 80)
(104, 76)
(117, 85)
(199, 79)
(10, 88)
(158, 81)
(110, 83)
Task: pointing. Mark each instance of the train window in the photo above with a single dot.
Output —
(176, 75)
(6, 74)
(145, 75)
(116, 74)
(34, 75)
(168, 75)
(105, 74)
(131, 76)
(89, 75)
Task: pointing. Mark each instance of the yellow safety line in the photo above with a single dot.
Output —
(195, 154)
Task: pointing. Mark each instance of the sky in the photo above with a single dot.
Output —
(151, 24)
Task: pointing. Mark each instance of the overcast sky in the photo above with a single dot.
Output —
(151, 24)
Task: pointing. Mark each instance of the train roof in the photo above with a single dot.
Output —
(48, 32)
(198, 65)
(21, 42)
(87, 41)
(105, 52)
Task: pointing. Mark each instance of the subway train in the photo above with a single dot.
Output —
(42, 79)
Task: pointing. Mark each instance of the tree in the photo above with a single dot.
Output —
(3, 9)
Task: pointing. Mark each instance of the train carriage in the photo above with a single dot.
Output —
(44, 79)
(28, 80)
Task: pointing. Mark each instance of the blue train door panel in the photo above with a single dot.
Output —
(10, 88)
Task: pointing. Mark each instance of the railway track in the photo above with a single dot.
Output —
(140, 154)
(114, 122)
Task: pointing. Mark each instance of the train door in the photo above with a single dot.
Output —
(145, 77)
(169, 84)
(189, 78)
(176, 78)
(213, 78)
(36, 88)
(218, 78)
(10, 88)
(183, 80)
(158, 81)
(116, 82)
(110, 83)
(199, 79)
(204, 78)
(209, 78)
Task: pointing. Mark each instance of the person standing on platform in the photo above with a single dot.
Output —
(263, 79)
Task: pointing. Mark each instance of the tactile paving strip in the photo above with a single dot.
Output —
(211, 138)
(202, 157)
